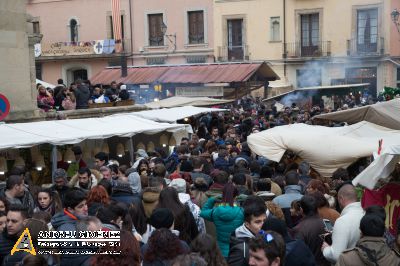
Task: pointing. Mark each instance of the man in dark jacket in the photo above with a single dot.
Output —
(16, 217)
(254, 217)
(297, 252)
(16, 193)
(60, 183)
(310, 228)
(75, 208)
(82, 94)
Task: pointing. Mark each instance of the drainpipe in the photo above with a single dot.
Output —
(130, 27)
(284, 36)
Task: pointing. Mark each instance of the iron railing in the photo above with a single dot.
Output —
(233, 53)
(366, 47)
(299, 50)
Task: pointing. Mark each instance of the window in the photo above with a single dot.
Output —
(36, 27)
(367, 30)
(308, 77)
(38, 68)
(275, 28)
(73, 25)
(155, 60)
(309, 34)
(196, 59)
(111, 27)
(196, 27)
(398, 78)
(156, 36)
(235, 39)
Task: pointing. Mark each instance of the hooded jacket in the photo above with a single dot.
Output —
(226, 219)
(62, 222)
(26, 200)
(74, 182)
(239, 248)
(134, 182)
(195, 210)
(150, 199)
(292, 192)
(122, 192)
(369, 251)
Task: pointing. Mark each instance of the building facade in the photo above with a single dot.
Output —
(78, 37)
(312, 43)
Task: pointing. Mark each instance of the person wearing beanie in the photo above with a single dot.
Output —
(60, 183)
(371, 249)
(180, 186)
(123, 93)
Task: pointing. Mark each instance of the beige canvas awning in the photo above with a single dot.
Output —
(177, 101)
(386, 114)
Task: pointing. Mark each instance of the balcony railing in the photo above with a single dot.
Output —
(361, 47)
(297, 50)
(233, 53)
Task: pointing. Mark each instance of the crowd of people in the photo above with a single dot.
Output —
(78, 95)
(210, 202)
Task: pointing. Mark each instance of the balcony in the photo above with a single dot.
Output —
(233, 53)
(82, 49)
(296, 50)
(356, 48)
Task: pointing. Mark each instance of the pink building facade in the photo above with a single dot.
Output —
(154, 32)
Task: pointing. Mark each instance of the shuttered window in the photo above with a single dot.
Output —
(156, 37)
(196, 27)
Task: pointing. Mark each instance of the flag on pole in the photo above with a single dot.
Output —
(116, 23)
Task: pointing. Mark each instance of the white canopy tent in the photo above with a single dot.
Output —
(61, 132)
(325, 148)
(177, 101)
(380, 168)
(171, 115)
(44, 83)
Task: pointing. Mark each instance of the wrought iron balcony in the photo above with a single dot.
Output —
(297, 50)
(233, 53)
(366, 47)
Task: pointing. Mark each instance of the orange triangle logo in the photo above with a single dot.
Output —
(24, 243)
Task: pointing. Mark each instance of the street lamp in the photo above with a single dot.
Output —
(164, 31)
(395, 18)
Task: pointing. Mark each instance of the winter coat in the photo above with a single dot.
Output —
(195, 210)
(346, 231)
(309, 230)
(222, 164)
(74, 182)
(26, 200)
(238, 247)
(150, 199)
(226, 219)
(7, 243)
(369, 251)
(292, 193)
(62, 222)
(298, 254)
(82, 95)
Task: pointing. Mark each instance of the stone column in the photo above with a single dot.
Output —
(17, 64)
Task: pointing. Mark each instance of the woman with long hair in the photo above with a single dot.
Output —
(184, 221)
(162, 248)
(139, 220)
(226, 215)
(48, 201)
(97, 198)
(206, 246)
(127, 254)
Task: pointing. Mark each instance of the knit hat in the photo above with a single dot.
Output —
(372, 225)
(60, 173)
(162, 218)
(179, 184)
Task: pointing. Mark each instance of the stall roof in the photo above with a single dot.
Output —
(324, 148)
(386, 114)
(177, 101)
(171, 115)
(186, 73)
(330, 87)
(61, 132)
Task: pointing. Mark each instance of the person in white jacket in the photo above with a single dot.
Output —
(346, 231)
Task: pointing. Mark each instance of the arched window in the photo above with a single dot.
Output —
(73, 25)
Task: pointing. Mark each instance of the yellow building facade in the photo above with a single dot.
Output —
(312, 42)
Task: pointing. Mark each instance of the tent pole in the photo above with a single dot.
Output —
(131, 150)
(54, 162)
